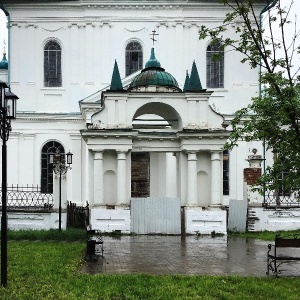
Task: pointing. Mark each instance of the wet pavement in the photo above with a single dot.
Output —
(185, 255)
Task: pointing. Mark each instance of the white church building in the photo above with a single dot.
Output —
(107, 80)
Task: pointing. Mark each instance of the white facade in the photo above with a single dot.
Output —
(92, 35)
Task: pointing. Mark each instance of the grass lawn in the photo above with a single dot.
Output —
(51, 270)
(267, 235)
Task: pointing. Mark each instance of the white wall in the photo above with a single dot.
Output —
(92, 37)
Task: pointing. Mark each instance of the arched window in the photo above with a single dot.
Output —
(46, 167)
(133, 57)
(214, 66)
(52, 64)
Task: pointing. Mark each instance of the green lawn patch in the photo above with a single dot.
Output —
(52, 270)
(265, 235)
(46, 235)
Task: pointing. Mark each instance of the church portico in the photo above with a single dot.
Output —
(152, 141)
(173, 170)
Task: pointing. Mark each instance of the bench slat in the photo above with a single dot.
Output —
(282, 242)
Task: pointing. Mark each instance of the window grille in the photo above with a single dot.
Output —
(215, 66)
(133, 57)
(52, 65)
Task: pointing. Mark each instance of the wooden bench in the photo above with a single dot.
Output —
(282, 251)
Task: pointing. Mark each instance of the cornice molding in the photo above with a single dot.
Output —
(36, 117)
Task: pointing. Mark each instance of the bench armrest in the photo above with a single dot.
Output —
(270, 247)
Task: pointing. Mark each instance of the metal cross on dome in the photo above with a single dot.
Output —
(153, 36)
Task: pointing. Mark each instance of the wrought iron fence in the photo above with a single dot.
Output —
(279, 199)
(28, 198)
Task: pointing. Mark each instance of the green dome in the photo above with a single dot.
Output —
(153, 75)
(4, 63)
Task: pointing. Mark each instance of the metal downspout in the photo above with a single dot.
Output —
(270, 4)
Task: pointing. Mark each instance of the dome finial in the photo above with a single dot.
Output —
(152, 62)
(4, 62)
(4, 44)
(153, 36)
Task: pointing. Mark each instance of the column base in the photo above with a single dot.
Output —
(205, 221)
(110, 218)
(216, 207)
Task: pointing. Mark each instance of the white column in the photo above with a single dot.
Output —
(192, 179)
(216, 177)
(121, 178)
(98, 178)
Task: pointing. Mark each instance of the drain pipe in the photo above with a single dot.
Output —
(8, 42)
(270, 4)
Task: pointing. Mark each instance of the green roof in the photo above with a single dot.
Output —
(186, 82)
(154, 77)
(116, 83)
(194, 82)
(153, 74)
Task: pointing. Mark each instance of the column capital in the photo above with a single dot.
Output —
(121, 154)
(98, 155)
(216, 154)
(192, 155)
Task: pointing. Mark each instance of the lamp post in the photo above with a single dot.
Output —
(60, 168)
(7, 113)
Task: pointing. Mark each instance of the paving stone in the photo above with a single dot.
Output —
(186, 255)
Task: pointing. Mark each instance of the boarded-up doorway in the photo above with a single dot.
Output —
(140, 174)
(159, 215)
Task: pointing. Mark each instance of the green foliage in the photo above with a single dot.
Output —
(52, 270)
(273, 116)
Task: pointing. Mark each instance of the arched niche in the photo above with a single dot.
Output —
(110, 190)
(159, 113)
(203, 184)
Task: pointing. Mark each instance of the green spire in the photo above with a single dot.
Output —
(116, 83)
(194, 82)
(152, 62)
(187, 80)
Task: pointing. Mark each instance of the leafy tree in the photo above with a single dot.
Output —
(262, 30)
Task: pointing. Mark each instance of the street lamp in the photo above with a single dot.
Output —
(60, 168)
(7, 113)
